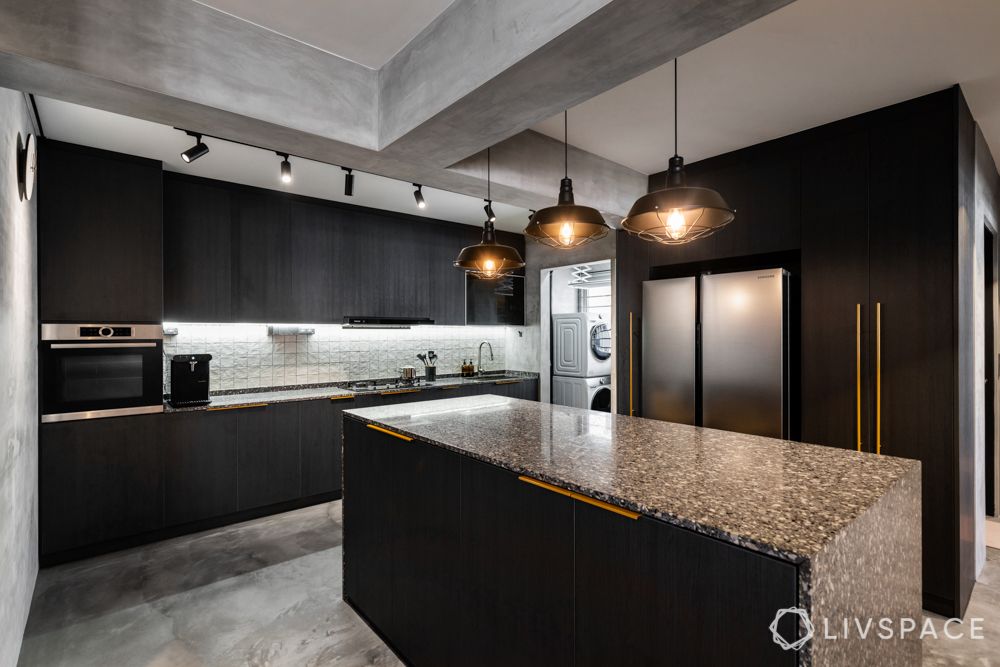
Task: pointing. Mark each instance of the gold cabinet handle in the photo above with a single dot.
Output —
(631, 410)
(878, 378)
(506, 382)
(388, 432)
(237, 407)
(346, 397)
(579, 496)
(398, 391)
(857, 356)
(451, 386)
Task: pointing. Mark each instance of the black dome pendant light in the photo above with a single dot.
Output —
(678, 213)
(489, 260)
(566, 225)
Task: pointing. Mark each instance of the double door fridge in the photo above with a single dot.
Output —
(715, 351)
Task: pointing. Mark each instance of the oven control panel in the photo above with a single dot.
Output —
(106, 331)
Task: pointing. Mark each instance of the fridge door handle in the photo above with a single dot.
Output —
(631, 411)
(878, 377)
(857, 357)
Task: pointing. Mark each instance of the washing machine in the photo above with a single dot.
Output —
(581, 345)
(586, 393)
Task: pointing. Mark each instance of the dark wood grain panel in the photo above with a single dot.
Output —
(199, 466)
(269, 457)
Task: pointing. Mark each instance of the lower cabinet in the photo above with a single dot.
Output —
(516, 568)
(457, 562)
(321, 427)
(269, 468)
(99, 480)
(199, 462)
(672, 595)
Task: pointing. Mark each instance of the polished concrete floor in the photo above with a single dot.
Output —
(267, 593)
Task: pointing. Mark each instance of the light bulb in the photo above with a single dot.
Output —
(566, 233)
(489, 267)
(676, 224)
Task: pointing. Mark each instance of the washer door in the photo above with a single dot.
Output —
(600, 341)
(601, 400)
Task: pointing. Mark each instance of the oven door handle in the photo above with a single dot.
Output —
(92, 346)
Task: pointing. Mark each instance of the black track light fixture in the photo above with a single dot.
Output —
(196, 151)
(418, 196)
(348, 182)
(490, 215)
(286, 168)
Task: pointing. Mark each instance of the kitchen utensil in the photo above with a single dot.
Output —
(423, 358)
(433, 357)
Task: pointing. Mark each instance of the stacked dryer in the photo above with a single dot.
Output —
(581, 361)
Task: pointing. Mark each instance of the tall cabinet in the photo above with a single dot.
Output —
(879, 348)
(876, 211)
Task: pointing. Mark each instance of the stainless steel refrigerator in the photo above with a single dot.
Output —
(715, 351)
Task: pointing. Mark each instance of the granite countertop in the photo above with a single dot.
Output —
(246, 398)
(780, 497)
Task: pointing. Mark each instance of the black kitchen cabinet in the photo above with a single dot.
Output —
(495, 301)
(100, 236)
(425, 601)
(313, 278)
(368, 521)
(642, 584)
(200, 460)
(912, 237)
(269, 461)
(835, 311)
(517, 570)
(321, 425)
(197, 250)
(99, 480)
(263, 257)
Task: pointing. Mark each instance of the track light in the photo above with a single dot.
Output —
(196, 151)
(490, 215)
(348, 182)
(286, 168)
(418, 195)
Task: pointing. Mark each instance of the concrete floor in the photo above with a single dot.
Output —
(268, 593)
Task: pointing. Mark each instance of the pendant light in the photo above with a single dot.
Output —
(678, 213)
(566, 225)
(489, 260)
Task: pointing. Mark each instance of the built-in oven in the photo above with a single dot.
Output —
(100, 370)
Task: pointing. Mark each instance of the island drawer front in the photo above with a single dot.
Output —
(665, 594)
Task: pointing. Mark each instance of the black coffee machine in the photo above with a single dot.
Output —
(189, 379)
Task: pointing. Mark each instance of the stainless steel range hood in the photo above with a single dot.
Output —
(373, 322)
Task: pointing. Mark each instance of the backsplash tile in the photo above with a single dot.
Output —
(244, 356)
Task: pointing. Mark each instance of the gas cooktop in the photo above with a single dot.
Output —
(384, 386)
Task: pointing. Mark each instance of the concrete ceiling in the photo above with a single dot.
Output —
(368, 32)
(806, 64)
(251, 166)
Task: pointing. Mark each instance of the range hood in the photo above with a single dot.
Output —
(372, 322)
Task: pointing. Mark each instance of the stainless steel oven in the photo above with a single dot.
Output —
(100, 370)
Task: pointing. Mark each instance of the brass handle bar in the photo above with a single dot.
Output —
(857, 353)
(238, 407)
(878, 378)
(579, 496)
(388, 432)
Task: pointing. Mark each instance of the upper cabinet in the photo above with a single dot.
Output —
(495, 301)
(100, 236)
(241, 254)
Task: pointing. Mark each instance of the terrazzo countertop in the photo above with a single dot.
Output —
(238, 399)
(784, 498)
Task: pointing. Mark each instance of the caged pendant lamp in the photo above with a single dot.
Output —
(678, 213)
(489, 260)
(566, 225)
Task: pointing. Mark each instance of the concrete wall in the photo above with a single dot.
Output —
(19, 387)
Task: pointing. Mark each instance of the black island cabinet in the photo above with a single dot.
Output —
(458, 562)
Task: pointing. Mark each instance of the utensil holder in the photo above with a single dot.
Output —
(430, 372)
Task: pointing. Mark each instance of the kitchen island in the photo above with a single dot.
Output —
(494, 531)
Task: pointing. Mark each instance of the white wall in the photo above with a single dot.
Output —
(19, 386)
(987, 212)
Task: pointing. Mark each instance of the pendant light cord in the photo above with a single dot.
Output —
(488, 174)
(565, 143)
(675, 107)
